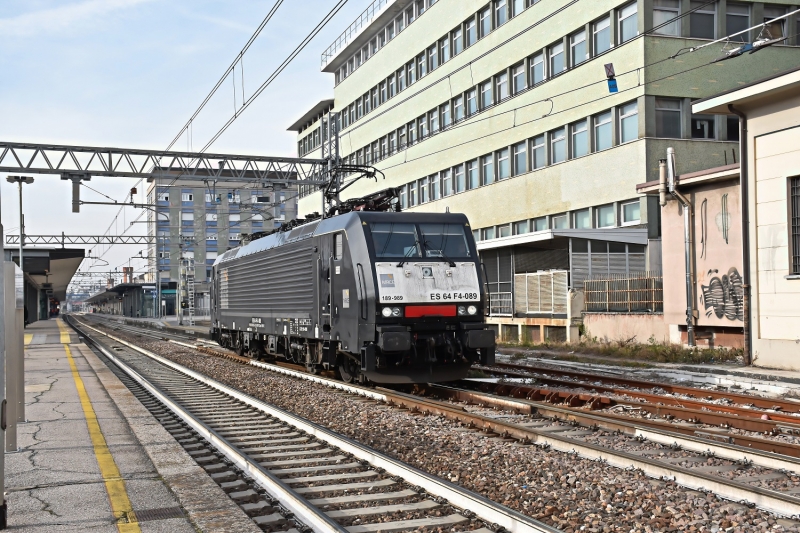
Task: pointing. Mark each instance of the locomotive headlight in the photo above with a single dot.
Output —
(462, 310)
(397, 312)
(472, 309)
(386, 312)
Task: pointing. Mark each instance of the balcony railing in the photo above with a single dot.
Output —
(641, 292)
(364, 19)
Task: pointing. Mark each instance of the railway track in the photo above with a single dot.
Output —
(767, 479)
(290, 474)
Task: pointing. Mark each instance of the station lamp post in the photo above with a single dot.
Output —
(19, 180)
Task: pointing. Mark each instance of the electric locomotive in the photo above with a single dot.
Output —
(387, 297)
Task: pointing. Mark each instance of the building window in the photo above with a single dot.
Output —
(500, 12)
(520, 158)
(487, 169)
(602, 131)
(537, 69)
(556, 55)
(422, 65)
(794, 200)
(538, 152)
(457, 41)
(444, 112)
(472, 103)
(187, 217)
(702, 21)
(628, 23)
(503, 164)
(473, 178)
(458, 108)
(433, 57)
(411, 73)
(433, 119)
(412, 194)
(577, 45)
(447, 183)
(488, 233)
(559, 222)
(422, 124)
(486, 94)
(163, 197)
(211, 217)
(605, 216)
(501, 81)
(435, 187)
(485, 18)
(631, 212)
(521, 228)
(703, 127)
(583, 219)
(601, 35)
(504, 231)
(580, 138)
(234, 219)
(539, 224)
(668, 118)
(423, 190)
(187, 197)
(732, 125)
(776, 30)
(403, 197)
(628, 123)
(518, 77)
(518, 6)
(460, 182)
(665, 17)
(737, 18)
(558, 146)
(470, 32)
(444, 49)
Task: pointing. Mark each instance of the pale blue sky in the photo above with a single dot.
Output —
(131, 72)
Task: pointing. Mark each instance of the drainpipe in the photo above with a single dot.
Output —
(743, 180)
(688, 218)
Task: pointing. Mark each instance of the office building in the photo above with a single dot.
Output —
(502, 110)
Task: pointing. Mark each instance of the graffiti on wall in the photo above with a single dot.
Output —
(724, 296)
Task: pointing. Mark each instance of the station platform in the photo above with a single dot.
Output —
(169, 324)
(91, 457)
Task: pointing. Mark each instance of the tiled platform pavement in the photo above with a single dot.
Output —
(91, 457)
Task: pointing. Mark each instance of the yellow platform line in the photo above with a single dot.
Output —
(115, 485)
(28, 338)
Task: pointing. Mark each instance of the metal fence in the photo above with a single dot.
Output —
(636, 292)
(501, 304)
(541, 292)
(363, 20)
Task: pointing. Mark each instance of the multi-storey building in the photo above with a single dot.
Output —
(195, 221)
(501, 109)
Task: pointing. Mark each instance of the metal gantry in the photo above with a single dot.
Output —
(64, 240)
(84, 161)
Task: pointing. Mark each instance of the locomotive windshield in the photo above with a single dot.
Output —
(407, 241)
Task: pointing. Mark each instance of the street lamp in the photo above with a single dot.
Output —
(19, 180)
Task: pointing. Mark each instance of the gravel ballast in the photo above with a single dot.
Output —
(560, 489)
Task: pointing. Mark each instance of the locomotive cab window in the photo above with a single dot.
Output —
(393, 240)
(444, 240)
(337, 246)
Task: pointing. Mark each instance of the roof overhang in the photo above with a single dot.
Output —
(626, 235)
(711, 175)
(761, 91)
(55, 266)
(310, 114)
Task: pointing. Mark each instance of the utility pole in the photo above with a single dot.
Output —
(3, 506)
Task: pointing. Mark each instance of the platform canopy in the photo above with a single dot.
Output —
(45, 266)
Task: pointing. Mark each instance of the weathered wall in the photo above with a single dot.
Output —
(624, 326)
(716, 252)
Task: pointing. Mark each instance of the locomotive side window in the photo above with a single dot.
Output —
(444, 240)
(395, 240)
(337, 246)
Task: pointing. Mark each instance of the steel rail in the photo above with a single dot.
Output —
(690, 410)
(484, 508)
(287, 497)
(763, 403)
(773, 501)
(740, 449)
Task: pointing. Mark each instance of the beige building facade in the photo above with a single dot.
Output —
(771, 173)
(501, 110)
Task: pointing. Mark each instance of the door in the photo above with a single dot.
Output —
(345, 310)
(324, 268)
